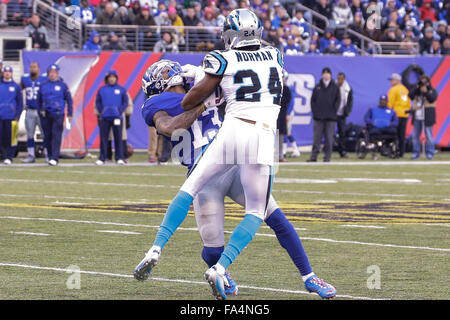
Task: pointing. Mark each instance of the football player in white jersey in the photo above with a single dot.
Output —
(250, 77)
(163, 111)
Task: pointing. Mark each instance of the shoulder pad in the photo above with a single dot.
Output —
(214, 63)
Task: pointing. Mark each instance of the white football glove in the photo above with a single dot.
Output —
(192, 73)
(214, 100)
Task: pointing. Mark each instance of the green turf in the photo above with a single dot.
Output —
(65, 192)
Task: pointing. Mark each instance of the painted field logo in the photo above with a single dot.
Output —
(361, 212)
(374, 280)
(74, 280)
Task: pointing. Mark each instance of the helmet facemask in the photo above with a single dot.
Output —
(161, 76)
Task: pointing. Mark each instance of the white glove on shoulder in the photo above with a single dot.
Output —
(192, 73)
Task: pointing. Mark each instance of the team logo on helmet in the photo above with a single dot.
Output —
(160, 76)
(241, 28)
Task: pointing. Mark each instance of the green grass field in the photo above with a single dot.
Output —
(351, 215)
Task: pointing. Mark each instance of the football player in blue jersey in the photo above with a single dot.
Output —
(31, 82)
(165, 88)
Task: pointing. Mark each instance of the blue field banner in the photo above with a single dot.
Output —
(368, 77)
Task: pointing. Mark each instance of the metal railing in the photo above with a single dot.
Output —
(314, 14)
(65, 30)
(399, 48)
(145, 38)
(68, 32)
(366, 45)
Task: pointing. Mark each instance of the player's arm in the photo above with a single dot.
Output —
(200, 91)
(214, 66)
(166, 124)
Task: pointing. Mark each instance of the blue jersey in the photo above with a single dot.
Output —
(31, 88)
(111, 101)
(381, 117)
(188, 144)
(11, 100)
(53, 96)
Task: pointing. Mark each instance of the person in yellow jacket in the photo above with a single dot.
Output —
(399, 101)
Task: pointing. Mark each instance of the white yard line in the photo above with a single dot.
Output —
(134, 185)
(368, 163)
(116, 231)
(46, 196)
(96, 172)
(70, 203)
(30, 233)
(378, 180)
(304, 181)
(258, 234)
(438, 224)
(69, 182)
(376, 244)
(336, 180)
(337, 193)
(108, 274)
(368, 172)
(361, 226)
(298, 163)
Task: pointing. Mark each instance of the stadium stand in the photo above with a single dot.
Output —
(373, 27)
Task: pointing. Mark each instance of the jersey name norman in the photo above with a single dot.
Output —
(253, 56)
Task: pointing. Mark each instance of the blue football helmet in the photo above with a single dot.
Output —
(160, 76)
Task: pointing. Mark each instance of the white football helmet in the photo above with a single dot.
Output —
(241, 28)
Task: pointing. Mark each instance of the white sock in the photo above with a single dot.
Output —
(307, 276)
(220, 269)
(154, 248)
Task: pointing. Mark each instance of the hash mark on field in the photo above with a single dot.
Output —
(379, 180)
(174, 280)
(116, 231)
(438, 224)
(336, 180)
(361, 226)
(31, 233)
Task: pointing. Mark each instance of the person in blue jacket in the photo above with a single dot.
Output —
(110, 103)
(382, 119)
(53, 96)
(94, 42)
(31, 82)
(11, 105)
(348, 48)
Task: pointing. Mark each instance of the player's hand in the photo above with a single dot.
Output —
(192, 73)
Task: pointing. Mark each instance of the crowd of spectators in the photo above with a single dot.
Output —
(410, 26)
